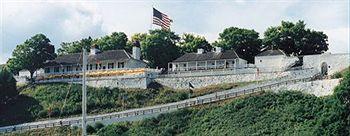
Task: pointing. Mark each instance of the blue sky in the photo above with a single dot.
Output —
(65, 21)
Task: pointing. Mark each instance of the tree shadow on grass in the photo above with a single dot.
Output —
(21, 110)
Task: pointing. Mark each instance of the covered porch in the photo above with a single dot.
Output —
(207, 65)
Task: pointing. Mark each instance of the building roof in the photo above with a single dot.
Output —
(271, 53)
(229, 54)
(75, 58)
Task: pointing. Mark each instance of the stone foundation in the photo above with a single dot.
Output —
(318, 88)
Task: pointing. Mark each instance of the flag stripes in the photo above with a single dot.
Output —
(161, 19)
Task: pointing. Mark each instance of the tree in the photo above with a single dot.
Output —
(7, 86)
(190, 43)
(32, 54)
(159, 48)
(295, 39)
(76, 46)
(141, 37)
(245, 42)
(117, 40)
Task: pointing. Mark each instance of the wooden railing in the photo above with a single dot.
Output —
(232, 93)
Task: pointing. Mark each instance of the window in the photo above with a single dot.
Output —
(96, 66)
(260, 60)
(233, 62)
(47, 70)
(184, 65)
(69, 68)
(90, 66)
(104, 67)
(110, 65)
(120, 64)
(56, 69)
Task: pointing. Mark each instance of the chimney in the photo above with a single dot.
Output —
(200, 51)
(218, 49)
(136, 51)
(94, 50)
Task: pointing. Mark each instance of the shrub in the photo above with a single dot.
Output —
(7, 86)
(98, 126)
(113, 130)
(90, 129)
(337, 75)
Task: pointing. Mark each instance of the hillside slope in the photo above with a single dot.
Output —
(287, 113)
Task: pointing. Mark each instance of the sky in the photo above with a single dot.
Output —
(66, 21)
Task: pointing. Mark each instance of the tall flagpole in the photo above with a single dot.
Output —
(83, 104)
(151, 25)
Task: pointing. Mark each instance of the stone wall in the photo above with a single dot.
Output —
(113, 82)
(198, 81)
(335, 62)
(317, 88)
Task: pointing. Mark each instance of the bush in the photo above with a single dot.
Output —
(90, 129)
(337, 75)
(113, 130)
(7, 86)
(98, 126)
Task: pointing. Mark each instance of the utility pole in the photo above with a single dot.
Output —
(83, 104)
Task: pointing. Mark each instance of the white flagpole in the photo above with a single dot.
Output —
(83, 105)
(151, 25)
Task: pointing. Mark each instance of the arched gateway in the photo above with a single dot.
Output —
(324, 69)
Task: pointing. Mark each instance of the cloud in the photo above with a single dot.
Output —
(65, 21)
(58, 21)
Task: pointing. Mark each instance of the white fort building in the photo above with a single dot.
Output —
(118, 68)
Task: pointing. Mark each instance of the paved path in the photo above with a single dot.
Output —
(141, 113)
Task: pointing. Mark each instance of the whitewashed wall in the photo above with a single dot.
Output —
(273, 63)
(335, 62)
(317, 88)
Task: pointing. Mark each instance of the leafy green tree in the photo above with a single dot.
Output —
(141, 37)
(159, 48)
(76, 46)
(7, 86)
(190, 43)
(294, 38)
(245, 42)
(32, 54)
(117, 40)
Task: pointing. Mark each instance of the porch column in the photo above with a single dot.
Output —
(168, 66)
(225, 64)
(196, 65)
(187, 66)
(206, 65)
(215, 65)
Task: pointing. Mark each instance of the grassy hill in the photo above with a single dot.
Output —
(284, 113)
(288, 113)
(62, 100)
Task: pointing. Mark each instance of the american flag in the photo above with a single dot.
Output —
(161, 19)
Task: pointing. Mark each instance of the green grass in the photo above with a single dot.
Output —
(56, 131)
(286, 113)
(341, 73)
(48, 101)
